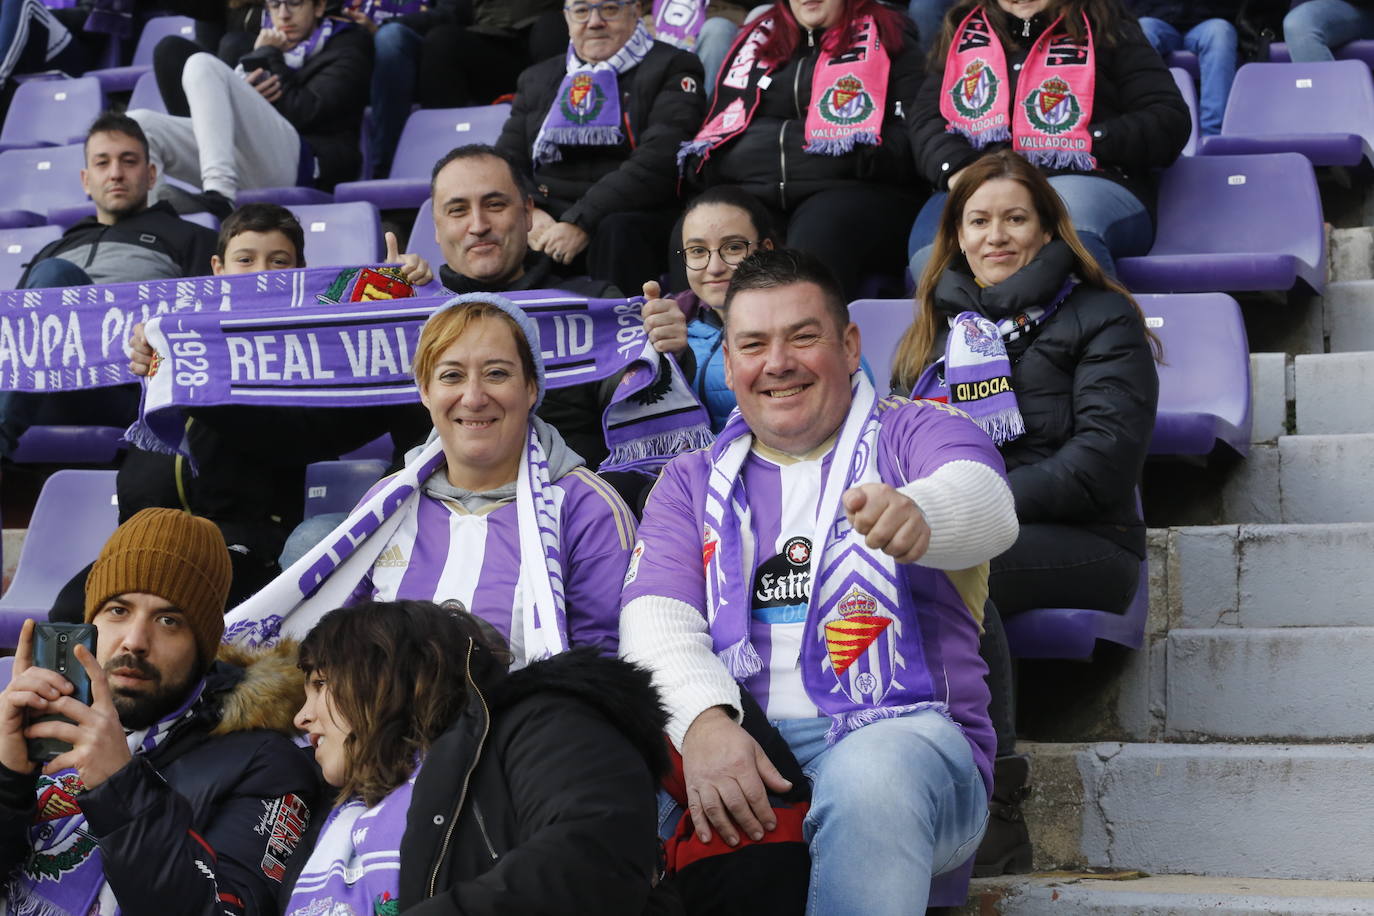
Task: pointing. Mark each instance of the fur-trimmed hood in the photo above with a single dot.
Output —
(622, 692)
(256, 688)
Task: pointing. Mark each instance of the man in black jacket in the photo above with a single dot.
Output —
(607, 182)
(177, 795)
(290, 114)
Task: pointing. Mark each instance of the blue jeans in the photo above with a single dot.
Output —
(1111, 221)
(1214, 43)
(928, 15)
(892, 804)
(394, 78)
(713, 43)
(1315, 27)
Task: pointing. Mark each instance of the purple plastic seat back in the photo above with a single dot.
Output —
(379, 449)
(1185, 61)
(431, 132)
(17, 248)
(121, 79)
(1234, 223)
(336, 486)
(422, 237)
(882, 322)
(37, 180)
(6, 669)
(1074, 632)
(951, 888)
(69, 445)
(344, 235)
(1187, 87)
(1362, 50)
(1323, 110)
(1204, 382)
(51, 112)
(146, 94)
(73, 518)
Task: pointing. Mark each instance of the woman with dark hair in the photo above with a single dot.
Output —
(1071, 85)
(720, 227)
(466, 789)
(1052, 358)
(807, 117)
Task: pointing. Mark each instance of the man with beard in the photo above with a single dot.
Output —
(178, 789)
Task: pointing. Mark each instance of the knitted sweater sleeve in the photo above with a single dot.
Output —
(970, 511)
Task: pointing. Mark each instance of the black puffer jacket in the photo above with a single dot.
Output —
(661, 104)
(768, 161)
(1086, 384)
(206, 823)
(1139, 120)
(541, 797)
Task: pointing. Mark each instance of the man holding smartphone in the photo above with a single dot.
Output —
(180, 788)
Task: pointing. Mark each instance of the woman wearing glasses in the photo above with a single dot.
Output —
(807, 117)
(288, 114)
(721, 227)
(601, 126)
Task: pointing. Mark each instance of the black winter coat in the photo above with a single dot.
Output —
(1184, 14)
(767, 159)
(205, 824)
(661, 105)
(1087, 388)
(1139, 120)
(325, 98)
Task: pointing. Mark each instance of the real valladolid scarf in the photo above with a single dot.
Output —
(848, 95)
(586, 108)
(975, 373)
(1048, 120)
(678, 22)
(855, 590)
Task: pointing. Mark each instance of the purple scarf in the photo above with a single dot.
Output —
(586, 108)
(678, 22)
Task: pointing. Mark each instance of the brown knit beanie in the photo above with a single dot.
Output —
(174, 555)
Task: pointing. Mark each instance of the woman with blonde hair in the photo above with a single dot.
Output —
(1017, 325)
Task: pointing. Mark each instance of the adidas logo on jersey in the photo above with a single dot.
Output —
(392, 556)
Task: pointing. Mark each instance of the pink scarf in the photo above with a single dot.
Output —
(1048, 121)
(848, 95)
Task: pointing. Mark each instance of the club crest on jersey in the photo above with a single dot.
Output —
(1053, 108)
(975, 92)
(846, 102)
(584, 100)
(798, 551)
(860, 645)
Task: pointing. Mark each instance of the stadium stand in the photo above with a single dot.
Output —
(1188, 89)
(51, 113)
(37, 181)
(17, 246)
(123, 79)
(336, 486)
(340, 234)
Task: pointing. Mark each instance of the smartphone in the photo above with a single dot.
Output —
(54, 647)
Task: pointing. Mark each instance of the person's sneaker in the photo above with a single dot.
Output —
(184, 202)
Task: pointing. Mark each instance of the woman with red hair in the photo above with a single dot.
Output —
(807, 117)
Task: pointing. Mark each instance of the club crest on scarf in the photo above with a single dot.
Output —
(583, 101)
(61, 845)
(846, 102)
(386, 905)
(976, 93)
(860, 645)
(981, 336)
(366, 284)
(1053, 108)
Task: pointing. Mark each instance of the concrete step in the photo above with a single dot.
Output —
(1302, 480)
(1271, 393)
(1348, 314)
(1331, 393)
(1260, 810)
(1350, 254)
(1163, 895)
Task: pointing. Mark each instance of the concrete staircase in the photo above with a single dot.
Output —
(1231, 757)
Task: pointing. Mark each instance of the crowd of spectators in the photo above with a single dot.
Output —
(811, 608)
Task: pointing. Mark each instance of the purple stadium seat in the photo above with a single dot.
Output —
(1185, 61)
(1234, 223)
(379, 449)
(6, 668)
(422, 237)
(75, 514)
(951, 888)
(146, 94)
(51, 113)
(345, 235)
(1324, 111)
(428, 135)
(1074, 632)
(882, 322)
(297, 196)
(17, 248)
(1356, 50)
(336, 486)
(208, 220)
(1187, 87)
(1204, 383)
(39, 180)
(69, 445)
(123, 79)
